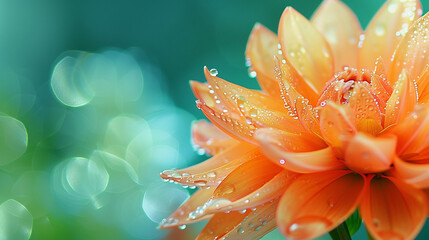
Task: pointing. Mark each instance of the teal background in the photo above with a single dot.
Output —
(174, 38)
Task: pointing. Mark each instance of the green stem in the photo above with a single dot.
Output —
(341, 232)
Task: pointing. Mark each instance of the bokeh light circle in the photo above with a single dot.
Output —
(86, 177)
(68, 83)
(13, 139)
(16, 221)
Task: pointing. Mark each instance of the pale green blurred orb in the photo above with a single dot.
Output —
(13, 139)
(16, 221)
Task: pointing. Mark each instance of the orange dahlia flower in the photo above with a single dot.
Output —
(341, 123)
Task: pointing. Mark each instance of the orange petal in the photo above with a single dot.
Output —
(209, 139)
(367, 154)
(291, 142)
(183, 215)
(412, 173)
(203, 93)
(256, 108)
(336, 125)
(214, 170)
(225, 118)
(231, 94)
(412, 133)
(297, 153)
(402, 101)
(341, 29)
(240, 182)
(271, 190)
(364, 104)
(392, 209)
(262, 46)
(335, 92)
(380, 69)
(423, 86)
(247, 178)
(241, 225)
(380, 86)
(221, 224)
(293, 85)
(386, 29)
(258, 223)
(412, 52)
(316, 203)
(308, 117)
(306, 48)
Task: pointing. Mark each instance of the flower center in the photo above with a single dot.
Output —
(341, 87)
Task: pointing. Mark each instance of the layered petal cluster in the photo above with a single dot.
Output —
(341, 123)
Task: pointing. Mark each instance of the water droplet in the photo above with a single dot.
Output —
(282, 161)
(331, 203)
(172, 173)
(169, 222)
(240, 230)
(253, 113)
(248, 62)
(213, 72)
(181, 227)
(308, 227)
(393, 7)
(200, 183)
(258, 227)
(249, 121)
(380, 29)
(252, 74)
(376, 222)
(242, 211)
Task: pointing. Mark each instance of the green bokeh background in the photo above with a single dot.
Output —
(177, 37)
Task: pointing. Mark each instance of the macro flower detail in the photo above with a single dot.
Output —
(341, 124)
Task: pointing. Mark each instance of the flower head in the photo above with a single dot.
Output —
(342, 122)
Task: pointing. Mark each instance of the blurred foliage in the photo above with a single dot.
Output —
(80, 154)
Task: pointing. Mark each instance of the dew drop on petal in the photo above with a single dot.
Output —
(252, 74)
(376, 222)
(253, 113)
(380, 29)
(393, 7)
(213, 72)
(307, 227)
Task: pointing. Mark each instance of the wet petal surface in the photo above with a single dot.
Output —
(316, 203)
(392, 209)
